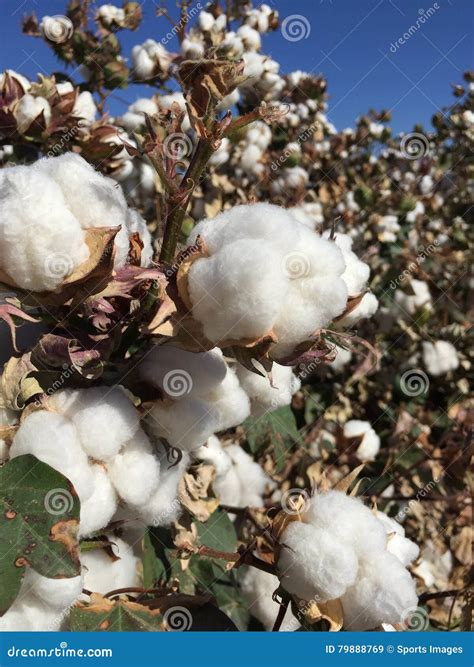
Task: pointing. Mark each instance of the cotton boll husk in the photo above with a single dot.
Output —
(349, 521)
(400, 546)
(181, 373)
(135, 471)
(383, 591)
(233, 299)
(262, 394)
(105, 420)
(365, 308)
(439, 357)
(93, 199)
(54, 440)
(257, 588)
(41, 243)
(136, 224)
(56, 593)
(163, 508)
(99, 508)
(253, 480)
(229, 402)
(102, 575)
(313, 564)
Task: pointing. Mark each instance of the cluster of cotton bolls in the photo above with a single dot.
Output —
(369, 445)
(342, 550)
(239, 480)
(202, 395)
(249, 157)
(305, 284)
(63, 193)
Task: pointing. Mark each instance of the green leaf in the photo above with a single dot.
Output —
(38, 525)
(120, 616)
(277, 428)
(218, 532)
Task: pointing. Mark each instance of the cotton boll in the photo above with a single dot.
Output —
(41, 241)
(233, 299)
(30, 614)
(99, 508)
(439, 357)
(250, 38)
(229, 402)
(383, 592)
(135, 472)
(182, 374)
(357, 272)
(18, 78)
(420, 298)
(186, 424)
(222, 154)
(349, 521)
(370, 443)
(253, 480)
(29, 110)
(54, 440)
(150, 59)
(367, 307)
(85, 107)
(343, 357)
(102, 574)
(56, 593)
(212, 452)
(265, 396)
(313, 564)
(257, 588)
(135, 116)
(404, 549)
(260, 134)
(163, 508)
(105, 419)
(93, 199)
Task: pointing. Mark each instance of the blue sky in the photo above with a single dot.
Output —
(348, 41)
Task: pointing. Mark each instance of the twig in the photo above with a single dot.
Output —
(281, 615)
(424, 597)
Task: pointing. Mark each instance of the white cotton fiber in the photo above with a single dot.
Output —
(365, 308)
(312, 563)
(349, 521)
(400, 546)
(439, 357)
(163, 508)
(370, 443)
(41, 241)
(29, 614)
(267, 272)
(102, 574)
(234, 298)
(135, 116)
(185, 424)
(265, 395)
(228, 402)
(54, 440)
(383, 592)
(253, 479)
(99, 508)
(418, 298)
(30, 109)
(56, 593)
(257, 588)
(213, 452)
(180, 373)
(105, 419)
(135, 471)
